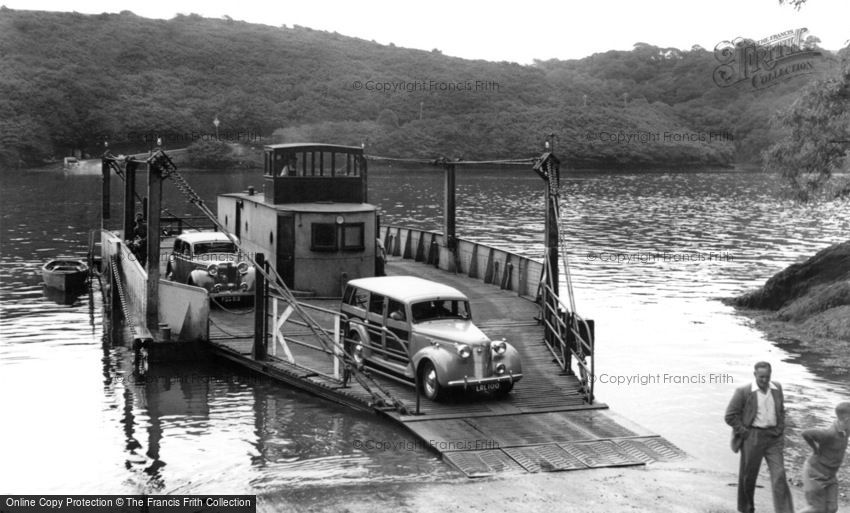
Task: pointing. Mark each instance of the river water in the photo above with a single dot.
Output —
(650, 253)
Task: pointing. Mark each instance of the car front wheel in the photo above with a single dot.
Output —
(354, 349)
(428, 382)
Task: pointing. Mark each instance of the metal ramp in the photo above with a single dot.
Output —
(564, 456)
(541, 442)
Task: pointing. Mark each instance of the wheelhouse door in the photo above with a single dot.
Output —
(237, 218)
(285, 248)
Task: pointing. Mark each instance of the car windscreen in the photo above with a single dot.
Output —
(439, 309)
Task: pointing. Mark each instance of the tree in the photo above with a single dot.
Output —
(817, 139)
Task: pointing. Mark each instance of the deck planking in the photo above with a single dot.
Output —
(544, 424)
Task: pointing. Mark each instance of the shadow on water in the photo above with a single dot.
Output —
(205, 426)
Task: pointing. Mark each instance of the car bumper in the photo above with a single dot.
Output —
(225, 294)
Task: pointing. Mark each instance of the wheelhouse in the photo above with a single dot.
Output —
(297, 173)
(312, 220)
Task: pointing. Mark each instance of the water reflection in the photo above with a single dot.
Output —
(201, 427)
(62, 297)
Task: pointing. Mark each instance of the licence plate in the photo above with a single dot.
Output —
(229, 299)
(487, 387)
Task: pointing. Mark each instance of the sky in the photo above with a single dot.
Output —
(516, 31)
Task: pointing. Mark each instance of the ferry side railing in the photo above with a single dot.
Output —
(336, 325)
(282, 339)
(569, 338)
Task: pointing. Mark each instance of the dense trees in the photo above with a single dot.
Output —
(69, 81)
(815, 136)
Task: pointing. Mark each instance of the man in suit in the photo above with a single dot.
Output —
(757, 416)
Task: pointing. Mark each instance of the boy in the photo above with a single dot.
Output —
(829, 445)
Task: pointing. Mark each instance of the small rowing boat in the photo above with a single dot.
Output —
(65, 274)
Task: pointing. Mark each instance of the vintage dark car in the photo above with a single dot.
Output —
(212, 261)
(416, 329)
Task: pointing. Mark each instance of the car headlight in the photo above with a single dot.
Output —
(499, 347)
(500, 369)
(213, 270)
(464, 351)
(242, 267)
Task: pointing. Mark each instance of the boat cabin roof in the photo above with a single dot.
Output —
(319, 207)
(315, 147)
(408, 288)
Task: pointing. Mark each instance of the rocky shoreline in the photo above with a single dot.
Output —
(806, 308)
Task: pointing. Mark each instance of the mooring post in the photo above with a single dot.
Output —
(258, 352)
(364, 173)
(551, 236)
(265, 318)
(129, 198)
(153, 230)
(547, 167)
(105, 170)
(449, 217)
(551, 173)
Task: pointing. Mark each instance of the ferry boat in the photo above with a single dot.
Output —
(310, 233)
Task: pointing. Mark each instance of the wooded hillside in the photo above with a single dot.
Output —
(68, 81)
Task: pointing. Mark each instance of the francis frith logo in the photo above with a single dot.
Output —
(765, 62)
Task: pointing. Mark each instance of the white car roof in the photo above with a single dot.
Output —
(193, 237)
(408, 288)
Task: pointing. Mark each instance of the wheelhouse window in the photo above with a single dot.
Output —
(323, 237)
(291, 162)
(352, 237)
(440, 309)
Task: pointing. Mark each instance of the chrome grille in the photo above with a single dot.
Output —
(482, 357)
(227, 273)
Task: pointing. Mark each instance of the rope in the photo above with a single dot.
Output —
(121, 297)
(165, 165)
(574, 317)
(444, 161)
(227, 332)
